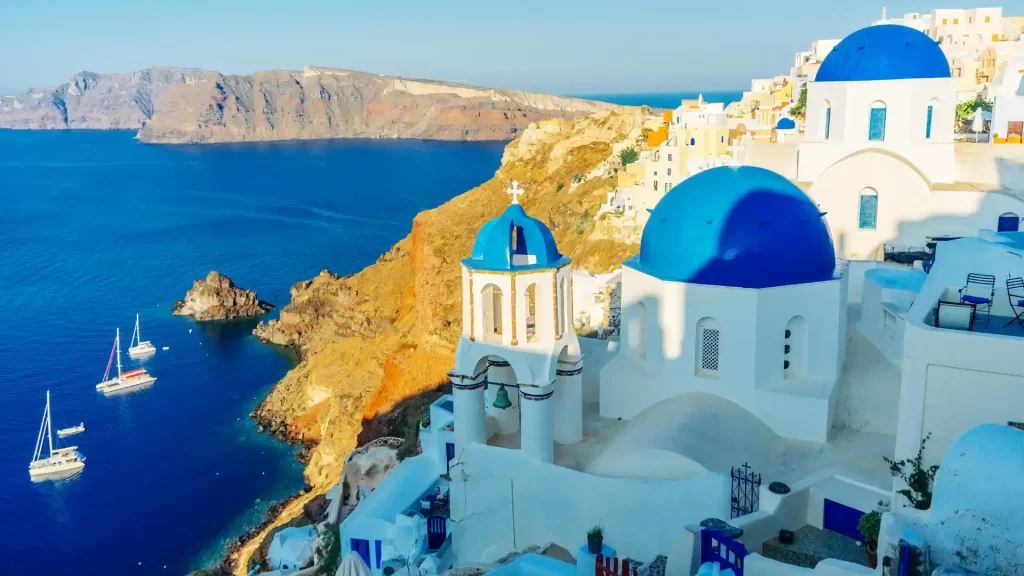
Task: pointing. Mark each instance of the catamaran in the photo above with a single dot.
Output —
(61, 461)
(123, 380)
(138, 347)
(71, 431)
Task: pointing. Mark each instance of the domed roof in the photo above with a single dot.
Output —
(514, 241)
(786, 124)
(885, 52)
(745, 227)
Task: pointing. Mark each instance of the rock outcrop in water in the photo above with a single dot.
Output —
(176, 106)
(217, 298)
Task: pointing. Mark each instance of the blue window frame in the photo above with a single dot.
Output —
(868, 210)
(928, 127)
(876, 131)
(828, 122)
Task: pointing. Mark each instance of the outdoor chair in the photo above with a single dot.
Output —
(1015, 292)
(979, 291)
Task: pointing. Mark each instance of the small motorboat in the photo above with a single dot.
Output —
(65, 432)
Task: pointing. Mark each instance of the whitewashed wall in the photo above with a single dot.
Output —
(502, 500)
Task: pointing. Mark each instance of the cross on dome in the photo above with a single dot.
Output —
(515, 191)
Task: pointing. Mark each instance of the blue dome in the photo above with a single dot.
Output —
(534, 247)
(786, 124)
(886, 52)
(745, 227)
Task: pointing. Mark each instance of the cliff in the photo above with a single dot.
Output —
(327, 103)
(98, 101)
(217, 298)
(177, 106)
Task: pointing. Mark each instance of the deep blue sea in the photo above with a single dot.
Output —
(94, 228)
(665, 99)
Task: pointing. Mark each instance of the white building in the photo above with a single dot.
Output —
(699, 114)
(1008, 101)
(916, 20)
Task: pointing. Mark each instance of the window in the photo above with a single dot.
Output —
(944, 21)
(956, 20)
(723, 139)
(668, 186)
(637, 327)
(709, 340)
(693, 142)
(876, 129)
(491, 301)
(669, 157)
(531, 312)
(928, 126)
(988, 19)
(1008, 222)
(655, 185)
(794, 348)
(868, 209)
(669, 173)
(828, 119)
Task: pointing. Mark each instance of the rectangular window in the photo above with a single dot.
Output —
(988, 19)
(876, 130)
(669, 173)
(709, 350)
(723, 139)
(928, 127)
(828, 121)
(669, 157)
(655, 185)
(668, 186)
(868, 211)
(956, 20)
(944, 21)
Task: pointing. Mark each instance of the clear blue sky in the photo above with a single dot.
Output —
(558, 46)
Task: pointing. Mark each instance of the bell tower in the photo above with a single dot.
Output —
(518, 364)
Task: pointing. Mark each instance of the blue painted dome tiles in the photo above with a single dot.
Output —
(885, 52)
(514, 241)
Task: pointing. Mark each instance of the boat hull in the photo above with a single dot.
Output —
(143, 349)
(55, 466)
(122, 385)
(65, 432)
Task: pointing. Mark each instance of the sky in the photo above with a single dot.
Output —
(555, 46)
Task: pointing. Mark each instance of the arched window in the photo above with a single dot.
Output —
(637, 331)
(794, 348)
(1009, 222)
(868, 209)
(931, 112)
(876, 128)
(563, 306)
(828, 119)
(708, 353)
(491, 298)
(693, 141)
(531, 312)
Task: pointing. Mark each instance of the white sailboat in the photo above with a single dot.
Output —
(123, 380)
(61, 461)
(138, 347)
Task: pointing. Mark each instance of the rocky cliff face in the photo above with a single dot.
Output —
(217, 298)
(327, 103)
(90, 100)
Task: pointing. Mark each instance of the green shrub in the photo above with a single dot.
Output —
(628, 156)
(870, 525)
(919, 480)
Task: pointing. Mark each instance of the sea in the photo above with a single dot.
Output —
(666, 100)
(96, 228)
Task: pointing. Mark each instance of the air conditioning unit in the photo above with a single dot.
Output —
(391, 565)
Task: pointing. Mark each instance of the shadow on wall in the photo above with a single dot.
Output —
(402, 421)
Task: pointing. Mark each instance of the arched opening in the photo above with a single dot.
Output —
(1009, 222)
(932, 104)
(531, 312)
(876, 127)
(491, 299)
(563, 306)
(637, 331)
(709, 344)
(794, 348)
(868, 209)
(693, 141)
(827, 121)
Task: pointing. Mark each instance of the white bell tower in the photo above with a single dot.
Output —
(518, 364)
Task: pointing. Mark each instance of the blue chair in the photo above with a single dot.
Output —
(979, 292)
(1015, 292)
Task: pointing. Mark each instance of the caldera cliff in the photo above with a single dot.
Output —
(371, 340)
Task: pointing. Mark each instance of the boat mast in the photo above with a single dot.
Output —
(39, 437)
(118, 341)
(49, 425)
(138, 332)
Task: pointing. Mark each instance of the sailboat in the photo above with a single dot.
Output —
(138, 347)
(61, 461)
(123, 380)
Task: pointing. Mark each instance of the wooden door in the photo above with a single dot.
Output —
(1015, 129)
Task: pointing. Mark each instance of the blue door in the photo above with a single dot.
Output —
(437, 531)
(449, 449)
(842, 519)
(1009, 223)
(376, 548)
(362, 547)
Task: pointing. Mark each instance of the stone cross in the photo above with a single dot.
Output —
(515, 191)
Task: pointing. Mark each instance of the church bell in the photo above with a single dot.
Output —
(501, 400)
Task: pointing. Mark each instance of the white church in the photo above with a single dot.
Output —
(761, 331)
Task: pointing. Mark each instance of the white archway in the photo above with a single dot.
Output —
(491, 300)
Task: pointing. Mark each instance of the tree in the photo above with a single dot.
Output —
(628, 156)
(919, 480)
(800, 108)
(965, 109)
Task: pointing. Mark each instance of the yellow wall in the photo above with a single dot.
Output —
(657, 137)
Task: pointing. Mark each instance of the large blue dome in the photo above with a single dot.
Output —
(745, 227)
(885, 52)
(514, 241)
